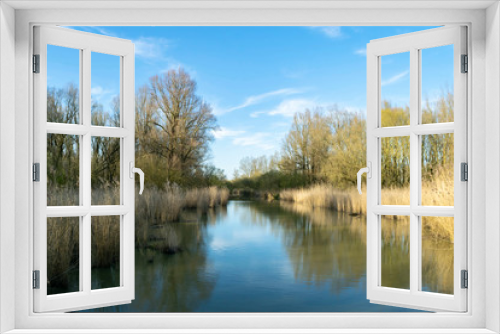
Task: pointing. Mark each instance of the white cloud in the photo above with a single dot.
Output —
(98, 30)
(99, 91)
(262, 140)
(360, 52)
(255, 99)
(330, 32)
(145, 47)
(288, 108)
(395, 78)
(223, 132)
(257, 113)
(173, 64)
(151, 47)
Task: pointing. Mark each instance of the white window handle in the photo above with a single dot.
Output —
(368, 171)
(133, 170)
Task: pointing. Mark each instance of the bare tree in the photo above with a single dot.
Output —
(306, 145)
(184, 122)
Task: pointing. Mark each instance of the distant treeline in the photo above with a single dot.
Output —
(329, 146)
(174, 129)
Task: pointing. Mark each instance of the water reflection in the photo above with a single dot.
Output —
(270, 257)
(324, 247)
(173, 282)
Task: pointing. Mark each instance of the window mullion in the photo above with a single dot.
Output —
(85, 181)
(414, 171)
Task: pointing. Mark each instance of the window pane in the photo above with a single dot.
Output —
(105, 171)
(438, 170)
(395, 89)
(395, 253)
(437, 84)
(63, 169)
(437, 254)
(63, 82)
(105, 252)
(63, 255)
(105, 92)
(395, 170)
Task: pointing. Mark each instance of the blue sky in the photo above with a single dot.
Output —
(256, 78)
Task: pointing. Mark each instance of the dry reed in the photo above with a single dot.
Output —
(154, 208)
(437, 191)
(325, 196)
(63, 249)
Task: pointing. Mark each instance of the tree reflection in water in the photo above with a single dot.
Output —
(330, 247)
(174, 282)
(278, 257)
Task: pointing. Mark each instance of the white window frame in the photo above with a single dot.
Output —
(484, 49)
(413, 44)
(86, 44)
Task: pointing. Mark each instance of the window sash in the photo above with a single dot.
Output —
(87, 43)
(413, 43)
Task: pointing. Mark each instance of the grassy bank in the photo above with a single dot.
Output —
(158, 206)
(161, 208)
(438, 191)
(157, 210)
(325, 196)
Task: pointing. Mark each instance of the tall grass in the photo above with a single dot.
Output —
(325, 196)
(436, 191)
(105, 241)
(157, 206)
(155, 212)
(205, 198)
(63, 250)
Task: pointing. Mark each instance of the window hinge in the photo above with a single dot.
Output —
(464, 171)
(36, 63)
(465, 279)
(36, 172)
(465, 64)
(36, 279)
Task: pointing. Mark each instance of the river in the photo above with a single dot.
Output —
(269, 257)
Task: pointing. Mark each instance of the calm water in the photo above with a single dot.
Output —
(266, 257)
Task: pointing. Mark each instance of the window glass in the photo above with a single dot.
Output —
(395, 170)
(63, 255)
(395, 89)
(105, 91)
(63, 170)
(105, 252)
(437, 254)
(63, 85)
(438, 170)
(395, 252)
(437, 101)
(105, 171)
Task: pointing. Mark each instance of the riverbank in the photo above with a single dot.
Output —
(439, 191)
(156, 210)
